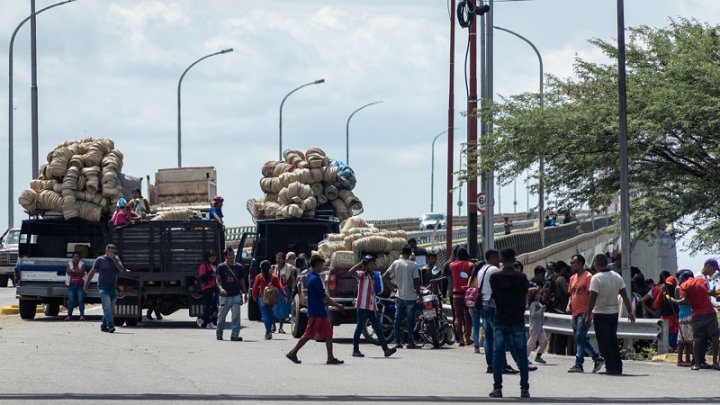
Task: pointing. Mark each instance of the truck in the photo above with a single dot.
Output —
(299, 235)
(8, 255)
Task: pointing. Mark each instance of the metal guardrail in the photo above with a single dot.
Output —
(409, 224)
(235, 233)
(439, 236)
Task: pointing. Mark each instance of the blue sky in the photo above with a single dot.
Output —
(110, 68)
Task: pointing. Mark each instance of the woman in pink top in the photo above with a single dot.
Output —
(75, 280)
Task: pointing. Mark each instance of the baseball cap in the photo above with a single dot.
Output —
(712, 262)
(368, 258)
(670, 281)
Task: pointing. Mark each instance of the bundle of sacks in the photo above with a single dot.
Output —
(79, 179)
(300, 183)
(358, 238)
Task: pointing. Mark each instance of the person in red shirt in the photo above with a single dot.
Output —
(124, 215)
(460, 270)
(263, 280)
(694, 292)
(206, 277)
(579, 289)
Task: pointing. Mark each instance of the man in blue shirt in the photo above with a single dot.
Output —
(318, 326)
(107, 266)
(216, 210)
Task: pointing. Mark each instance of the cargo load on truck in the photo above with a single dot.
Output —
(183, 192)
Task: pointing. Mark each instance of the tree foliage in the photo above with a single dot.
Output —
(673, 93)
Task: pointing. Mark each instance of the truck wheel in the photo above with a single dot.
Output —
(4, 281)
(386, 323)
(298, 322)
(132, 321)
(27, 309)
(254, 310)
(51, 309)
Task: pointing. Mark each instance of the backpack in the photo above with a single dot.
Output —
(270, 295)
(377, 282)
(548, 296)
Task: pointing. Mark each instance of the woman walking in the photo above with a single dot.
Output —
(75, 281)
(263, 295)
(206, 277)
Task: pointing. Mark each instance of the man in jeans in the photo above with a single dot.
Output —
(579, 289)
(605, 286)
(509, 290)
(107, 266)
(403, 275)
(230, 281)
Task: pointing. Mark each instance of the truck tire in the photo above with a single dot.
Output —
(4, 281)
(51, 309)
(27, 309)
(386, 323)
(254, 310)
(298, 321)
(132, 321)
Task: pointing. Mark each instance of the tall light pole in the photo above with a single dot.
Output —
(347, 131)
(281, 108)
(179, 124)
(624, 180)
(432, 171)
(11, 169)
(33, 90)
(541, 179)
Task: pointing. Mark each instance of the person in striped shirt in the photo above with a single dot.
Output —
(366, 305)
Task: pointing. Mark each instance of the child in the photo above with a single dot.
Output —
(685, 329)
(537, 333)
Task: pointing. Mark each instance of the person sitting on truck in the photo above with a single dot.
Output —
(230, 281)
(107, 266)
(75, 270)
(366, 305)
(262, 282)
(216, 210)
(123, 214)
(139, 204)
(206, 277)
(318, 324)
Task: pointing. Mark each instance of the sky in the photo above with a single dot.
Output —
(110, 68)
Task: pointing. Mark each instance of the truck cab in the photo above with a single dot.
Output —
(8, 255)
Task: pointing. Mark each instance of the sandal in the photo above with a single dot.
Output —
(293, 358)
(335, 361)
(694, 368)
(281, 331)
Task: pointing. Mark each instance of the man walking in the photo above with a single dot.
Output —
(230, 281)
(366, 306)
(579, 289)
(318, 326)
(107, 266)
(403, 275)
(605, 286)
(509, 290)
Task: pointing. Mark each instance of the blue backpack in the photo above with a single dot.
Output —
(378, 285)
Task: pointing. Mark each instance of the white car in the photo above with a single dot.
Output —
(430, 221)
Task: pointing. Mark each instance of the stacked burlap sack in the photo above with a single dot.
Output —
(300, 183)
(79, 179)
(357, 238)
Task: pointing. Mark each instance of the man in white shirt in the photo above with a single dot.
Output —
(403, 275)
(605, 286)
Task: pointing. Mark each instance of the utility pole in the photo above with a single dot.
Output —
(489, 237)
(624, 180)
(472, 132)
(34, 90)
(451, 137)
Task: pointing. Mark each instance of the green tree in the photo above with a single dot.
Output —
(673, 80)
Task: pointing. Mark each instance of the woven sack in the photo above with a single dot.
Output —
(28, 199)
(266, 185)
(89, 211)
(349, 239)
(331, 192)
(316, 175)
(268, 168)
(50, 201)
(343, 259)
(336, 237)
(371, 244)
(328, 248)
(354, 222)
(309, 204)
(330, 174)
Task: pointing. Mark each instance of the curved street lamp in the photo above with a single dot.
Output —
(11, 173)
(179, 137)
(347, 130)
(281, 108)
(541, 181)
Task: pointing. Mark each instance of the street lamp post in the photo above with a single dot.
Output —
(281, 109)
(11, 174)
(179, 132)
(347, 131)
(541, 180)
(622, 118)
(432, 171)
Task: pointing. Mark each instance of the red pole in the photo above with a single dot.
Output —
(472, 133)
(450, 137)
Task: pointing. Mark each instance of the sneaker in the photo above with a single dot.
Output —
(576, 369)
(399, 346)
(412, 346)
(68, 318)
(532, 368)
(488, 370)
(598, 365)
(103, 328)
(211, 326)
(111, 329)
(218, 337)
(268, 336)
(236, 338)
(149, 317)
(509, 370)
(82, 318)
(199, 323)
(477, 350)
(540, 360)
(524, 393)
(358, 354)
(496, 394)
(390, 352)
(159, 317)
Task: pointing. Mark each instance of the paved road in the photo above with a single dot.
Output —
(49, 360)
(7, 296)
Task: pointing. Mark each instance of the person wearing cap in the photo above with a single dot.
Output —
(107, 266)
(318, 326)
(216, 210)
(206, 278)
(668, 310)
(695, 292)
(366, 305)
(404, 277)
(123, 214)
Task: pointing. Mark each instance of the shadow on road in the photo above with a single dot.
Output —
(335, 398)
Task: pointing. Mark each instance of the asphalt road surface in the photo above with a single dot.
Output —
(48, 360)
(7, 296)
